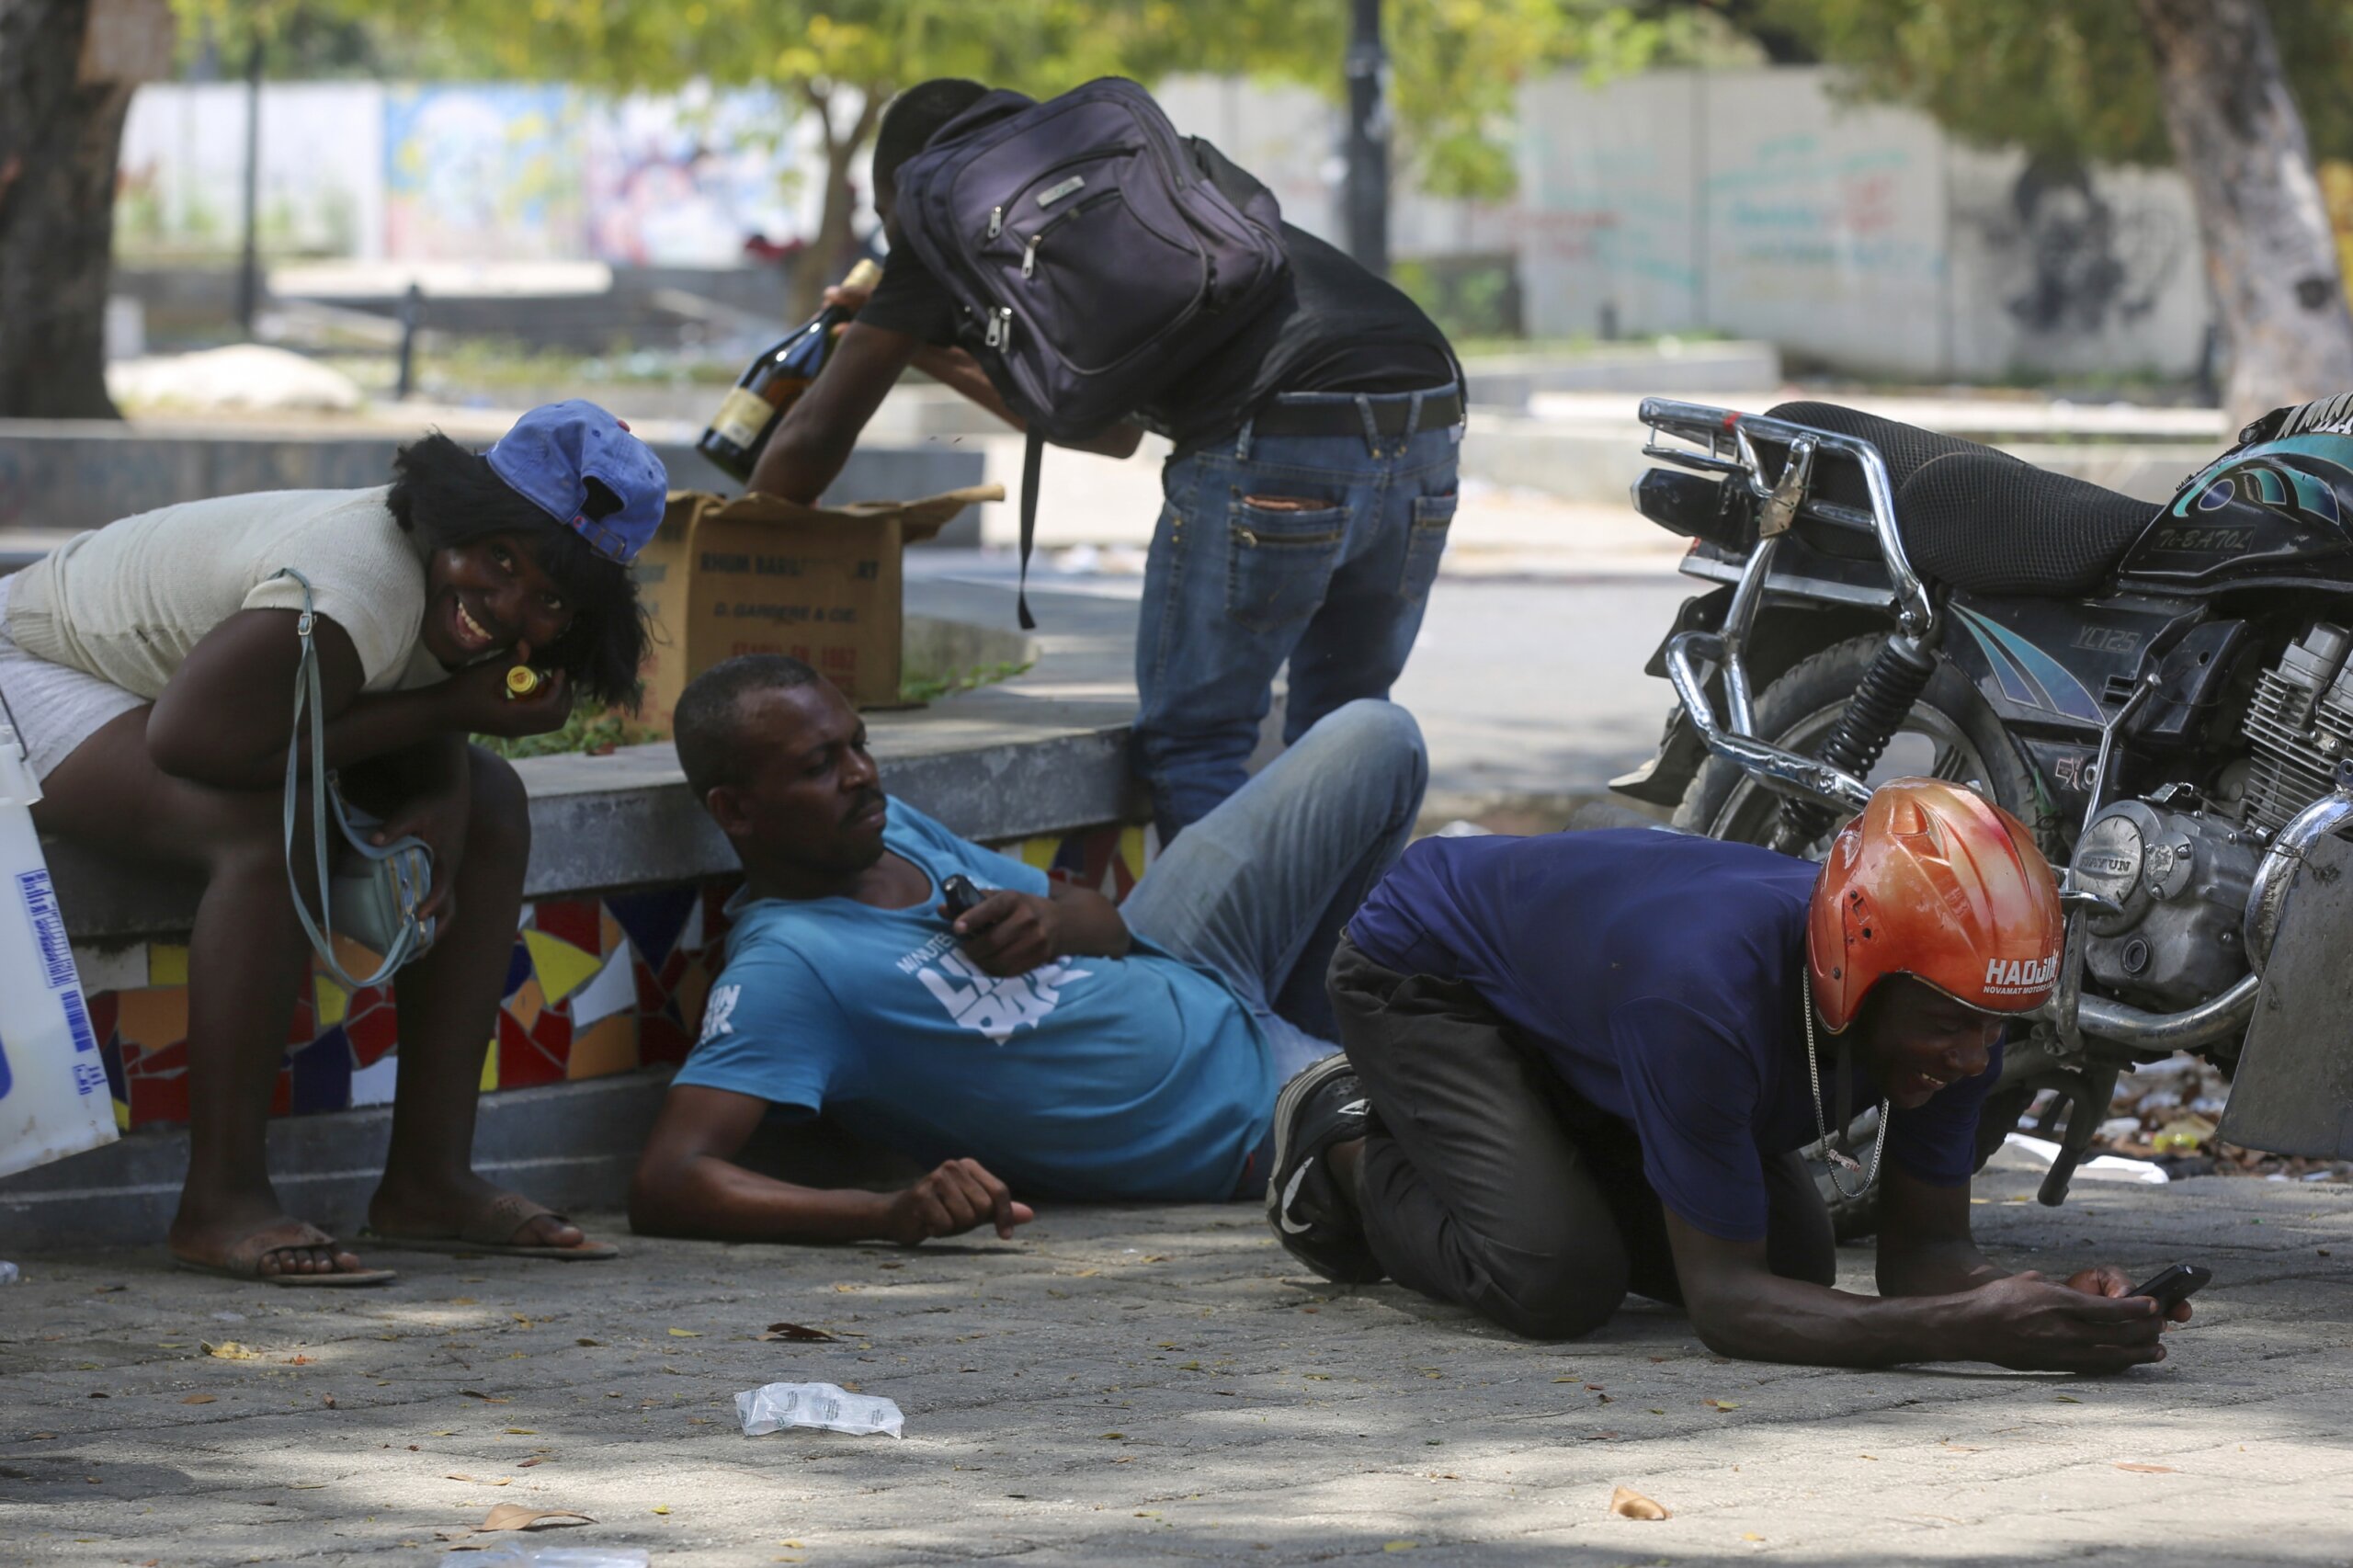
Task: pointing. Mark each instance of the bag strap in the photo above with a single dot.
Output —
(309, 692)
(1029, 459)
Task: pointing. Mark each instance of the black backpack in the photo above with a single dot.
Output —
(1094, 260)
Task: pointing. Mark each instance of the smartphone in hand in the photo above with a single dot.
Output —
(2174, 1284)
(960, 896)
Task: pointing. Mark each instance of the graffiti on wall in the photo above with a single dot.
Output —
(1805, 201)
(2081, 264)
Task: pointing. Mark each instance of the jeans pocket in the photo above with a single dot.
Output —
(1425, 542)
(1280, 561)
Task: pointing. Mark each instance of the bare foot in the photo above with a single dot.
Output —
(208, 1236)
(405, 1208)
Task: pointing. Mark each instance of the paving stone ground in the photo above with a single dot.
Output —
(1135, 1385)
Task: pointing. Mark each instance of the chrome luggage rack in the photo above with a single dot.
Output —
(1723, 441)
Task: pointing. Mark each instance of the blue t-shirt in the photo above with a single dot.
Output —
(1141, 1077)
(1658, 972)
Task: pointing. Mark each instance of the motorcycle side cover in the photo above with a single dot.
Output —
(2292, 1091)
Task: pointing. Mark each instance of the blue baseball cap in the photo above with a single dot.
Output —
(554, 451)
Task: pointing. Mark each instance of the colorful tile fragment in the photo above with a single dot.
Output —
(593, 986)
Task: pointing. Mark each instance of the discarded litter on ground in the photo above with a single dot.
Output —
(2101, 1167)
(508, 1517)
(827, 1406)
(1628, 1503)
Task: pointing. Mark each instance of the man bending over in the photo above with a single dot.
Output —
(1044, 1044)
(1584, 1064)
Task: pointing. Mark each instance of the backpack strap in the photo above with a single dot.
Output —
(1037, 449)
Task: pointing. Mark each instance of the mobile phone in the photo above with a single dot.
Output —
(2174, 1284)
(961, 895)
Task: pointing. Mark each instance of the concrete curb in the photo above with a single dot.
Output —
(85, 473)
(569, 1146)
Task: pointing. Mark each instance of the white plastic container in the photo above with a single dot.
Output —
(53, 1095)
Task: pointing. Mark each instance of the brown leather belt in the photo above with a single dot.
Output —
(1390, 412)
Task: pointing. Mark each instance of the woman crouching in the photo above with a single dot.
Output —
(150, 666)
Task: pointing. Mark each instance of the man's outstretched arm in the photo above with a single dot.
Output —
(1954, 1305)
(816, 435)
(689, 1185)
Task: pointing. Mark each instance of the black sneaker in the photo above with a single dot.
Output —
(1311, 1215)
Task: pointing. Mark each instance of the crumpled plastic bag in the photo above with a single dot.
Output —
(827, 1406)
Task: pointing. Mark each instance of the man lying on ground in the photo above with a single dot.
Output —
(1584, 1064)
(1044, 1044)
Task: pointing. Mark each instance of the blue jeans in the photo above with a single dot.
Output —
(1259, 889)
(1333, 580)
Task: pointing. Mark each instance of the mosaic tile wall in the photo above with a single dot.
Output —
(593, 986)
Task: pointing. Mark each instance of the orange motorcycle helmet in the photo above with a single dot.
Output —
(1936, 882)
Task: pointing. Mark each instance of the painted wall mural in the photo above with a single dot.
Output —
(483, 172)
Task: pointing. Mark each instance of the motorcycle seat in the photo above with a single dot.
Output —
(1997, 526)
(1976, 518)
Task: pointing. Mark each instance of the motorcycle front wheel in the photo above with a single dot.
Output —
(1950, 733)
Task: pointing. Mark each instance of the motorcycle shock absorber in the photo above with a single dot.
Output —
(1899, 673)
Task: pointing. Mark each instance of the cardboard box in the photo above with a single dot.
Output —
(755, 574)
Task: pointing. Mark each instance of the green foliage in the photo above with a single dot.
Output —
(591, 730)
(1456, 65)
(1469, 298)
(917, 685)
(2069, 79)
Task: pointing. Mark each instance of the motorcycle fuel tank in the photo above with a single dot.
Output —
(2277, 510)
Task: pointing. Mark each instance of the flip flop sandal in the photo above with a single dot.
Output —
(486, 1231)
(242, 1261)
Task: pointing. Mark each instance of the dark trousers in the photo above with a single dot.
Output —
(1487, 1182)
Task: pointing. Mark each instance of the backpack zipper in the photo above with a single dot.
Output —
(997, 221)
(1030, 250)
(1000, 333)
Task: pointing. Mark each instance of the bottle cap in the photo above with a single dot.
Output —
(522, 680)
(865, 275)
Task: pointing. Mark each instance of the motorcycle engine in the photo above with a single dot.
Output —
(2180, 879)
(2298, 726)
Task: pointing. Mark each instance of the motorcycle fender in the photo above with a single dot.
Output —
(1663, 780)
(2292, 1091)
(1700, 612)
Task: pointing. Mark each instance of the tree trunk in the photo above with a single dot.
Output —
(2269, 255)
(60, 137)
(828, 255)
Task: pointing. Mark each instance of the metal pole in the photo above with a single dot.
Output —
(412, 314)
(249, 271)
(1367, 149)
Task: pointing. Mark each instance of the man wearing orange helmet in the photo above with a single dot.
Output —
(1583, 1064)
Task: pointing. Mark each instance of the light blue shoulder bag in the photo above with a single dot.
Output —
(375, 902)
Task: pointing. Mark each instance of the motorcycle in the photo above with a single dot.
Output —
(2162, 694)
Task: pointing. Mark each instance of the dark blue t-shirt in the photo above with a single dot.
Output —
(1658, 972)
